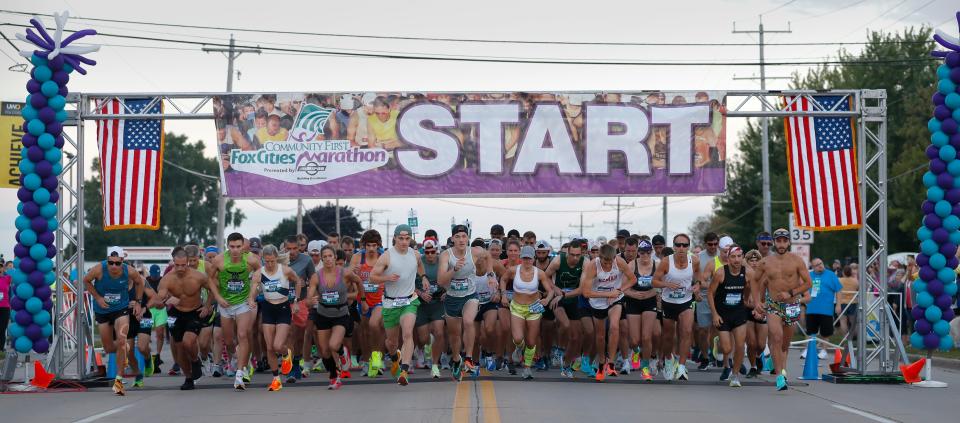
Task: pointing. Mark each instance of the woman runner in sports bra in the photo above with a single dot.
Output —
(503, 314)
(370, 302)
(603, 281)
(277, 283)
(527, 306)
(331, 292)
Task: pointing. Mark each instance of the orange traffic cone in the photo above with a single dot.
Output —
(41, 378)
(911, 373)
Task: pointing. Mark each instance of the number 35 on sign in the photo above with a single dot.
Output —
(799, 235)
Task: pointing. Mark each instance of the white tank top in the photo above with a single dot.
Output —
(404, 265)
(274, 283)
(606, 282)
(521, 286)
(461, 285)
(684, 277)
(482, 285)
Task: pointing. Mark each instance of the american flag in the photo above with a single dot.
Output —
(822, 164)
(131, 159)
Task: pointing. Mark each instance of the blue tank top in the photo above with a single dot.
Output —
(114, 291)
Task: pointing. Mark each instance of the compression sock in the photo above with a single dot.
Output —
(331, 366)
(404, 367)
(528, 354)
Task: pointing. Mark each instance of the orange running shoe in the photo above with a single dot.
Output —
(645, 374)
(275, 385)
(601, 375)
(287, 364)
(344, 374)
(403, 379)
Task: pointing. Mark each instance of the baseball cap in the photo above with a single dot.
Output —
(316, 245)
(543, 245)
(623, 233)
(347, 102)
(764, 236)
(527, 252)
(211, 249)
(725, 242)
(367, 99)
(644, 245)
(255, 245)
(429, 243)
(781, 233)
(601, 240)
(154, 270)
(402, 228)
(659, 240)
(460, 228)
(116, 251)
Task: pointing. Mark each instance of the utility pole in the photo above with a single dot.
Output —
(232, 54)
(388, 223)
(558, 238)
(299, 216)
(764, 124)
(370, 214)
(337, 217)
(664, 217)
(581, 225)
(618, 206)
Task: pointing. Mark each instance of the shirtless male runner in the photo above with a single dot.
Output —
(781, 281)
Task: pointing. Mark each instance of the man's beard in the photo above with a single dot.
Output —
(781, 251)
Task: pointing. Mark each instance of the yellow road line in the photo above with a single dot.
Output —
(461, 403)
(488, 401)
(491, 413)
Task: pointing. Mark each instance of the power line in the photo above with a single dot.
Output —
(841, 8)
(460, 203)
(921, 7)
(192, 172)
(778, 7)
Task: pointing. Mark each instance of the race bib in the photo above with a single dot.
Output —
(146, 323)
(370, 287)
(401, 302)
(536, 308)
(271, 286)
(434, 289)
(733, 299)
(677, 294)
(792, 310)
(171, 321)
(330, 298)
(603, 288)
(815, 290)
(509, 295)
(112, 298)
(459, 285)
(645, 281)
(234, 287)
(1, 296)
(484, 296)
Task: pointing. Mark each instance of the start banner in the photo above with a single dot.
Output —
(11, 133)
(413, 144)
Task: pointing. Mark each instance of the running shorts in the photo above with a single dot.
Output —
(181, 322)
(159, 316)
(635, 306)
(143, 325)
(602, 313)
(484, 308)
(429, 312)
(327, 323)
(819, 324)
(732, 318)
(704, 316)
(672, 311)
(571, 308)
(453, 306)
(235, 310)
(391, 316)
(275, 314)
(110, 318)
(523, 311)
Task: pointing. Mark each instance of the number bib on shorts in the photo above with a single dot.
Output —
(732, 299)
(112, 298)
(398, 302)
(171, 321)
(459, 285)
(146, 323)
(792, 310)
(370, 287)
(536, 308)
(330, 298)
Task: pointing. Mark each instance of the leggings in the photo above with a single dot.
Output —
(4, 320)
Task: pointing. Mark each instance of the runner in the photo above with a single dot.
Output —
(300, 336)
(138, 337)
(488, 294)
(782, 280)
(704, 331)
(399, 269)
(457, 264)
(229, 282)
(331, 292)
(278, 283)
(512, 251)
(205, 340)
(159, 317)
(109, 284)
(181, 289)
(726, 298)
(565, 270)
(371, 301)
(681, 286)
(641, 303)
(430, 313)
(527, 306)
(756, 322)
(547, 323)
(603, 282)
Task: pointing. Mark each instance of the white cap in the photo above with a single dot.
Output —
(316, 245)
(429, 243)
(367, 99)
(347, 102)
(725, 242)
(116, 251)
(543, 245)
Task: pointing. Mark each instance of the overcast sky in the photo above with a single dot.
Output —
(178, 68)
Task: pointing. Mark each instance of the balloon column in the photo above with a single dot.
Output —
(940, 234)
(43, 116)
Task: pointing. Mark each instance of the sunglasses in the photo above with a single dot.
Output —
(429, 251)
(114, 263)
(766, 244)
(681, 245)
(712, 244)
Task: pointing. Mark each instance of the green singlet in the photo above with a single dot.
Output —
(567, 277)
(235, 280)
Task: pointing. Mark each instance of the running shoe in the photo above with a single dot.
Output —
(669, 369)
(188, 385)
(444, 361)
(353, 362)
(469, 365)
(435, 371)
(566, 372)
(335, 384)
(148, 367)
(118, 387)
(752, 373)
(725, 374)
(345, 374)
(174, 371)
(704, 363)
(682, 372)
(517, 355)
(611, 370)
(344, 357)
(217, 370)
(287, 364)
(247, 374)
(586, 367)
(395, 366)
(295, 373)
(402, 379)
(782, 381)
(511, 368)
(491, 364)
(275, 385)
(735, 382)
(575, 366)
(600, 376)
(457, 371)
(376, 360)
(318, 367)
(527, 373)
(635, 360)
(138, 381)
(645, 374)
(238, 383)
(627, 366)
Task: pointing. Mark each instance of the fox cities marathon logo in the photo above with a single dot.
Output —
(310, 122)
(308, 163)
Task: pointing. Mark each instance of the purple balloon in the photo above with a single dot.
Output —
(27, 264)
(33, 332)
(56, 63)
(45, 169)
(50, 183)
(54, 196)
(45, 238)
(23, 318)
(33, 87)
(922, 326)
(42, 292)
(55, 127)
(931, 340)
(47, 304)
(61, 78)
(21, 251)
(948, 314)
(41, 345)
(952, 60)
(35, 277)
(16, 303)
(932, 221)
(59, 141)
(28, 140)
(38, 224)
(943, 301)
(938, 99)
(51, 251)
(47, 115)
(948, 250)
(942, 112)
(938, 166)
(953, 262)
(953, 194)
(926, 207)
(955, 140)
(949, 126)
(35, 153)
(31, 209)
(24, 195)
(63, 91)
(955, 75)
(940, 236)
(927, 274)
(935, 287)
(944, 179)
(933, 152)
(38, 101)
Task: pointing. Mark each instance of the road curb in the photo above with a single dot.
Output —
(948, 363)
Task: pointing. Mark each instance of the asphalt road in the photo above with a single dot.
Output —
(498, 397)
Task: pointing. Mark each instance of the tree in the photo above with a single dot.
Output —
(188, 204)
(317, 223)
(909, 87)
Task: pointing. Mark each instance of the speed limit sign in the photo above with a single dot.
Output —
(798, 235)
